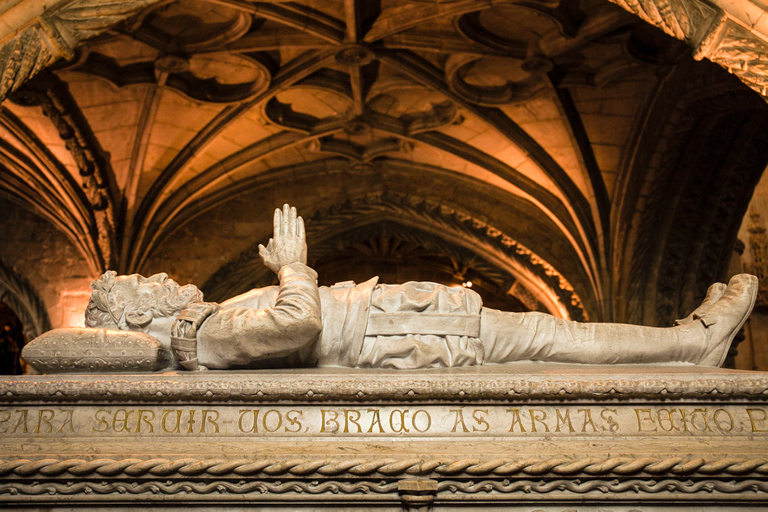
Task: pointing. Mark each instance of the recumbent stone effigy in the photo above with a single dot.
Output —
(423, 398)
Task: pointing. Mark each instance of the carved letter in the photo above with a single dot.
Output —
(587, 420)
(4, 419)
(668, 418)
(719, 424)
(752, 419)
(429, 420)
(266, 417)
(703, 414)
(323, 421)
(376, 420)
(516, 420)
(348, 420)
(540, 419)
(214, 417)
(44, 417)
(293, 420)
(402, 427)
(480, 420)
(640, 420)
(22, 421)
(146, 420)
(67, 420)
(459, 419)
(613, 425)
(122, 420)
(101, 420)
(177, 428)
(191, 421)
(683, 420)
(565, 419)
(254, 427)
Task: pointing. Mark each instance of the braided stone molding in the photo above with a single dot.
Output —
(220, 489)
(390, 467)
(733, 39)
(613, 487)
(363, 387)
(180, 490)
(19, 295)
(51, 35)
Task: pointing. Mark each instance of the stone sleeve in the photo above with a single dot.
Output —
(238, 337)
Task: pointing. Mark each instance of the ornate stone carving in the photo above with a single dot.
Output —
(52, 95)
(213, 388)
(742, 53)
(714, 33)
(55, 35)
(95, 351)
(355, 55)
(391, 467)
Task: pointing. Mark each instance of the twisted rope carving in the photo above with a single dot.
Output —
(594, 466)
(652, 487)
(181, 489)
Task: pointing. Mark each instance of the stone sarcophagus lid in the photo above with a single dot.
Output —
(522, 436)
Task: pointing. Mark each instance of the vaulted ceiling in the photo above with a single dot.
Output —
(562, 155)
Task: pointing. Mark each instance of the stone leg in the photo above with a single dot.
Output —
(511, 337)
(702, 339)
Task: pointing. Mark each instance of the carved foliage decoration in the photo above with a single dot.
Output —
(55, 35)
(712, 33)
(742, 53)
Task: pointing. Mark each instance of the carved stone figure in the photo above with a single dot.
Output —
(368, 325)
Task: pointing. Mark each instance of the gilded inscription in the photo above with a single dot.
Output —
(687, 420)
(449, 421)
(37, 421)
(137, 421)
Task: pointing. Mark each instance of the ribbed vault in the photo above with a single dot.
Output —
(562, 152)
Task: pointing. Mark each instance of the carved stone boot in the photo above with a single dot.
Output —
(723, 319)
(713, 295)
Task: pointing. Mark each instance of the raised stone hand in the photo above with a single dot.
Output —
(288, 243)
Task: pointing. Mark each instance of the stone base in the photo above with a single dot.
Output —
(526, 437)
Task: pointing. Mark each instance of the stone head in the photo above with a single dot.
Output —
(138, 303)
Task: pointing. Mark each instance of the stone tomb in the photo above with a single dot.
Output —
(523, 436)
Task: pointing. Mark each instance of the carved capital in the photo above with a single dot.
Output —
(729, 34)
(35, 40)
